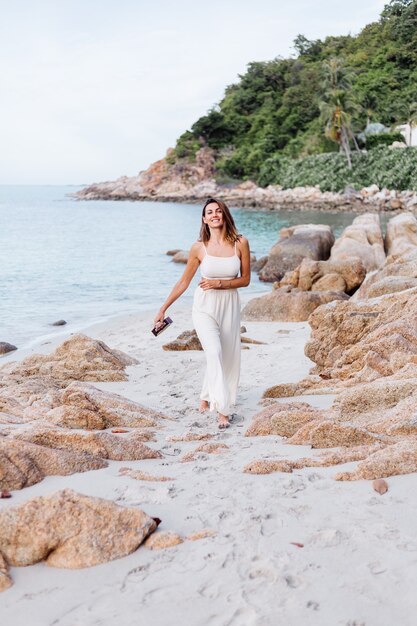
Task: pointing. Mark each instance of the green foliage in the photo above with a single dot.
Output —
(383, 139)
(391, 168)
(273, 112)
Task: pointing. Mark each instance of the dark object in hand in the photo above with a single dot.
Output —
(158, 328)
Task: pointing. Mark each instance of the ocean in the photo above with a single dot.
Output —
(88, 261)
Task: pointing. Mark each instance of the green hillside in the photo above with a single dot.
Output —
(277, 111)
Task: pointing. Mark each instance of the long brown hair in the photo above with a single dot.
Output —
(231, 231)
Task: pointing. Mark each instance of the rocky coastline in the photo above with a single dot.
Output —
(194, 182)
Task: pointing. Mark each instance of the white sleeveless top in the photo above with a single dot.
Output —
(220, 267)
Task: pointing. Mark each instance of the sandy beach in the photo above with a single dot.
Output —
(296, 548)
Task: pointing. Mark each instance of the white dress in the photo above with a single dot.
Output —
(216, 317)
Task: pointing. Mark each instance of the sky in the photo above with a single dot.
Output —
(95, 89)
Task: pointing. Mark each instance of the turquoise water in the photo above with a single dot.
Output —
(85, 261)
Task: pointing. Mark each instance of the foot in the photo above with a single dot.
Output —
(223, 421)
(204, 405)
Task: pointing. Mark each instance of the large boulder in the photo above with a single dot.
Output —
(71, 530)
(288, 305)
(364, 340)
(77, 358)
(23, 464)
(345, 275)
(398, 273)
(362, 239)
(311, 241)
(81, 405)
(401, 236)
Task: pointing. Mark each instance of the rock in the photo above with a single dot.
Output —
(59, 323)
(325, 459)
(163, 539)
(81, 405)
(400, 458)
(345, 275)
(139, 475)
(363, 340)
(103, 445)
(5, 579)
(380, 486)
(312, 241)
(391, 277)
(6, 347)
(390, 284)
(401, 236)
(173, 252)
(77, 358)
(285, 305)
(331, 435)
(281, 419)
(208, 448)
(181, 256)
(191, 437)
(23, 464)
(256, 266)
(60, 531)
(201, 534)
(362, 239)
(187, 340)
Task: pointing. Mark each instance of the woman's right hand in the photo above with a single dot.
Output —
(159, 317)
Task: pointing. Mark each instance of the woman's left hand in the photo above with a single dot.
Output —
(205, 284)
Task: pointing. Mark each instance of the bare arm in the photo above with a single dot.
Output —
(183, 283)
(242, 281)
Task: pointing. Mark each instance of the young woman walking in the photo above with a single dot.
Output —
(222, 255)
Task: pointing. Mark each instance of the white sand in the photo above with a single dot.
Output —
(359, 560)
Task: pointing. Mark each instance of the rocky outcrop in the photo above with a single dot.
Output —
(102, 445)
(311, 241)
(288, 305)
(60, 531)
(400, 458)
(401, 236)
(310, 275)
(77, 358)
(363, 240)
(208, 448)
(364, 340)
(23, 464)
(281, 419)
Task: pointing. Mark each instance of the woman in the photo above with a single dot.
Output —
(222, 255)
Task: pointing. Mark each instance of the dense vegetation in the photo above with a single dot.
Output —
(269, 123)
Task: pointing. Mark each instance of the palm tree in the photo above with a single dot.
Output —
(337, 106)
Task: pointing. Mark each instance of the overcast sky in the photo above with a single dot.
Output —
(95, 89)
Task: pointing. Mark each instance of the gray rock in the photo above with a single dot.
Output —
(59, 323)
(6, 347)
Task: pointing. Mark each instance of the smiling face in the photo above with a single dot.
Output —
(213, 216)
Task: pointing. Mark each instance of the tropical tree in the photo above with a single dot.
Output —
(337, 105)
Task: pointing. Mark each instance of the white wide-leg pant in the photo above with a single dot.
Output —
(216, 317)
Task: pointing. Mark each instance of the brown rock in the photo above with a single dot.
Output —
(281, 419)
(311, 241)
(77, 358)
(331, 435)
(23, 464)
(6, 347)
(208, 448)
(191, 437)
(390, 284)
(362, 239)
(401, 236)
(163, 539)
(60, 531)
(187, 340)
(343, 275)
(330, 282)
(395, 275)
(173, 252)
(285, 305)
(380, 486)
(139, 475)
(400, 458)
(181, 256)
(264, 466)
(5, 579)
(256, 266)
(103, 445)
(201, 534)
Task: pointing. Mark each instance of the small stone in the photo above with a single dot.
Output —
(380, 486)
(6, 347)
(201, 534)
(59, 323)
(163, 539)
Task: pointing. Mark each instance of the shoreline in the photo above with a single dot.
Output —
(233, 576)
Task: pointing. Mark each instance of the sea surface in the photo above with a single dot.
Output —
(88, 261)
